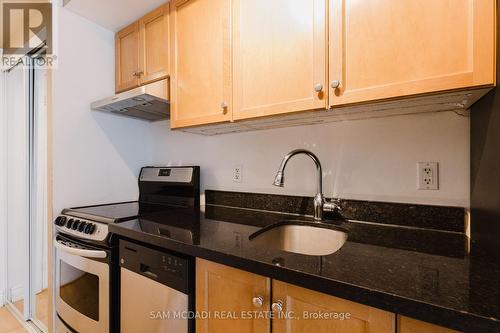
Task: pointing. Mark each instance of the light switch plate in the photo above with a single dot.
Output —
(428, 175)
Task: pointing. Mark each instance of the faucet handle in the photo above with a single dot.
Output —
(332, 206)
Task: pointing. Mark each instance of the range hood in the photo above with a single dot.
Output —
(149, 102)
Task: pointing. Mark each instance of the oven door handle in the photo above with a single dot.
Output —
(80, 252)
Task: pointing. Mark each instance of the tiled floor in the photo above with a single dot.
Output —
(42, 307)
(9, 324)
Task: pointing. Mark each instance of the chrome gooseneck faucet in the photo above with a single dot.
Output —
(320, 204)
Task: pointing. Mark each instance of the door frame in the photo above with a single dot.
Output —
(3, 196)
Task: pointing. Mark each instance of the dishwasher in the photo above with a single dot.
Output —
(156, 290)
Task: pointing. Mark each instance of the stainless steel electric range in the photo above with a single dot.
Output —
(87, 269)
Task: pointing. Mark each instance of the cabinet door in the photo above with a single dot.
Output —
(384, 48)
(299, 302)
(154, 45)
(127, 58)
(223, 290)
(410, 325)
(201, 62)
(279, 56)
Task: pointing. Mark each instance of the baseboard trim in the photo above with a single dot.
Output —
(16, 293)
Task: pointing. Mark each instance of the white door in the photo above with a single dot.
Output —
(17, 101)
(25, 158)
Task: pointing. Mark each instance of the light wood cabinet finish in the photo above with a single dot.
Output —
(127, 57)
(363, 319)
(224, 289)
(279, 56)
(142, 50)
(154, 45)
(201, 77)
(383, 49)
(243, 59)
(410, 325)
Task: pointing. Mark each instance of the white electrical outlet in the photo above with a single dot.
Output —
(238, 174)
(428, 175)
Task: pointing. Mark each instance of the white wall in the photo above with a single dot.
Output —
(96, 156)
(372, 159)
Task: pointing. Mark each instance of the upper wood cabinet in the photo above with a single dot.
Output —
(142, 50)
(279, 56)
(224, 289)
(154, 45)
(410, 325)
(200, 62)
(362, 319)
(383, 49)
(232, 60)
(127, 57)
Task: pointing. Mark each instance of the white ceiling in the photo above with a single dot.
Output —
(113, 14)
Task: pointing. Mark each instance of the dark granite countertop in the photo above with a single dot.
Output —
(421, 273)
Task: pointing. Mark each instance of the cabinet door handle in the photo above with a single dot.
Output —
(224, 106)
(318, 87)
(137, 73)
(335, 84)
(277, 306)
(258, 301)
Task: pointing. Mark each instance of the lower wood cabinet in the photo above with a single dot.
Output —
(233, 300)
(237, 301)
(305, 310)
(224, 293)
(410, 325)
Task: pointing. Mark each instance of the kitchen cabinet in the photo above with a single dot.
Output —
(247, 59)
(410, 325)
(382, 49)
(279, 56)
(307, 305)
(222, 291)
(154, 45)
(142, 50)
(200, 58)
(127, 57)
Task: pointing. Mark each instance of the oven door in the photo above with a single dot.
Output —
(82, 286)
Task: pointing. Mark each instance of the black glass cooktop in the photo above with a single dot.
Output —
(119, 212)
(108, 213)
(178, 224)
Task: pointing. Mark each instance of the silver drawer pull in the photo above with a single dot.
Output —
(258, 301)
(335, 84)
(277, 306)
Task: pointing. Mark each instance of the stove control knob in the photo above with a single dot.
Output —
(70, 223)
(75, 224)
(92, 228)
(60, 220)
(82, 226)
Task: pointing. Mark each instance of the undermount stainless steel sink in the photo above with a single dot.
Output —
(304, 237)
